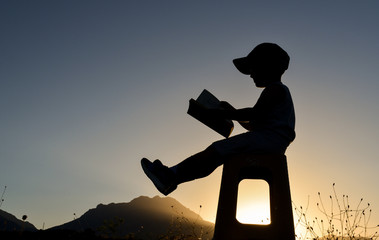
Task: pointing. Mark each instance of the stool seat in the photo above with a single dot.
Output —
(270, 168)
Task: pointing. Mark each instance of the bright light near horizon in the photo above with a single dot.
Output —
(253, 215)
(253, 203)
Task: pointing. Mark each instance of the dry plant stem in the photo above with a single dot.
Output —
(353, 222)
(302, 221)
(177, 230)
(2, 196)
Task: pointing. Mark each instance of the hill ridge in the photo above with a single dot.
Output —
(9, 222)
(141, 216)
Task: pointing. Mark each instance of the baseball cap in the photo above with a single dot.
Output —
(264, 53)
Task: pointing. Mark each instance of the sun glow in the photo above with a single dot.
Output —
(253, 204)
(253, 215)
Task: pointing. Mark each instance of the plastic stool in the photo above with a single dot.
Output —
(272, 169)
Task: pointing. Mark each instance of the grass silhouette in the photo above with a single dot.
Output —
(340, 222)
(180, 221)
(2, 196)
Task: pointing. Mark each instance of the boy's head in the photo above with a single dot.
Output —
(265, 63)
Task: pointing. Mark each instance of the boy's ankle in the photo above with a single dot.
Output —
(174, 169)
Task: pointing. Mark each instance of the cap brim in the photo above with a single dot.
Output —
(242, 64)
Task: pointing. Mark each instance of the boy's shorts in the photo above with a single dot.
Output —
(251, 142)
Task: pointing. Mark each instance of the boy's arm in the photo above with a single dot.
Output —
(246, 125)
(269, 98)
(241, 115)
(232, 114)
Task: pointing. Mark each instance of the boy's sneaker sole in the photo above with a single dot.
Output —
(152, 170)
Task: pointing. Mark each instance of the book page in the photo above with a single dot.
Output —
(208, 100)
(198, 109)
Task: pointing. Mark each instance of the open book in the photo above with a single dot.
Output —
(206, 100)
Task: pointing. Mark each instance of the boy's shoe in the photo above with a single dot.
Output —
(162, 177)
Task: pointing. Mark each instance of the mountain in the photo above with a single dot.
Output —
(8, 222)
(143, 217)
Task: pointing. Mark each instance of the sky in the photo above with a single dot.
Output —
(88, 88)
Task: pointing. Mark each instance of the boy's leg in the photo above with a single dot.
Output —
(197, 166)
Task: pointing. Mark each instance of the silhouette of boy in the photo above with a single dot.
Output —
(270, 122)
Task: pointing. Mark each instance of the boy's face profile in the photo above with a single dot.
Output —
(264, 72)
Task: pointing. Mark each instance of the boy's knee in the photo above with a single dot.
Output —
(214, 155)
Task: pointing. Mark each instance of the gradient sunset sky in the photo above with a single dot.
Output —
(88, 88)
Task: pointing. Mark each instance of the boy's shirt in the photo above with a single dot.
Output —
(274, 111)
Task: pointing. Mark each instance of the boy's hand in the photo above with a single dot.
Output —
(245, 124)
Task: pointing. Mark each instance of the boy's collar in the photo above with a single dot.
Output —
(275, 82)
